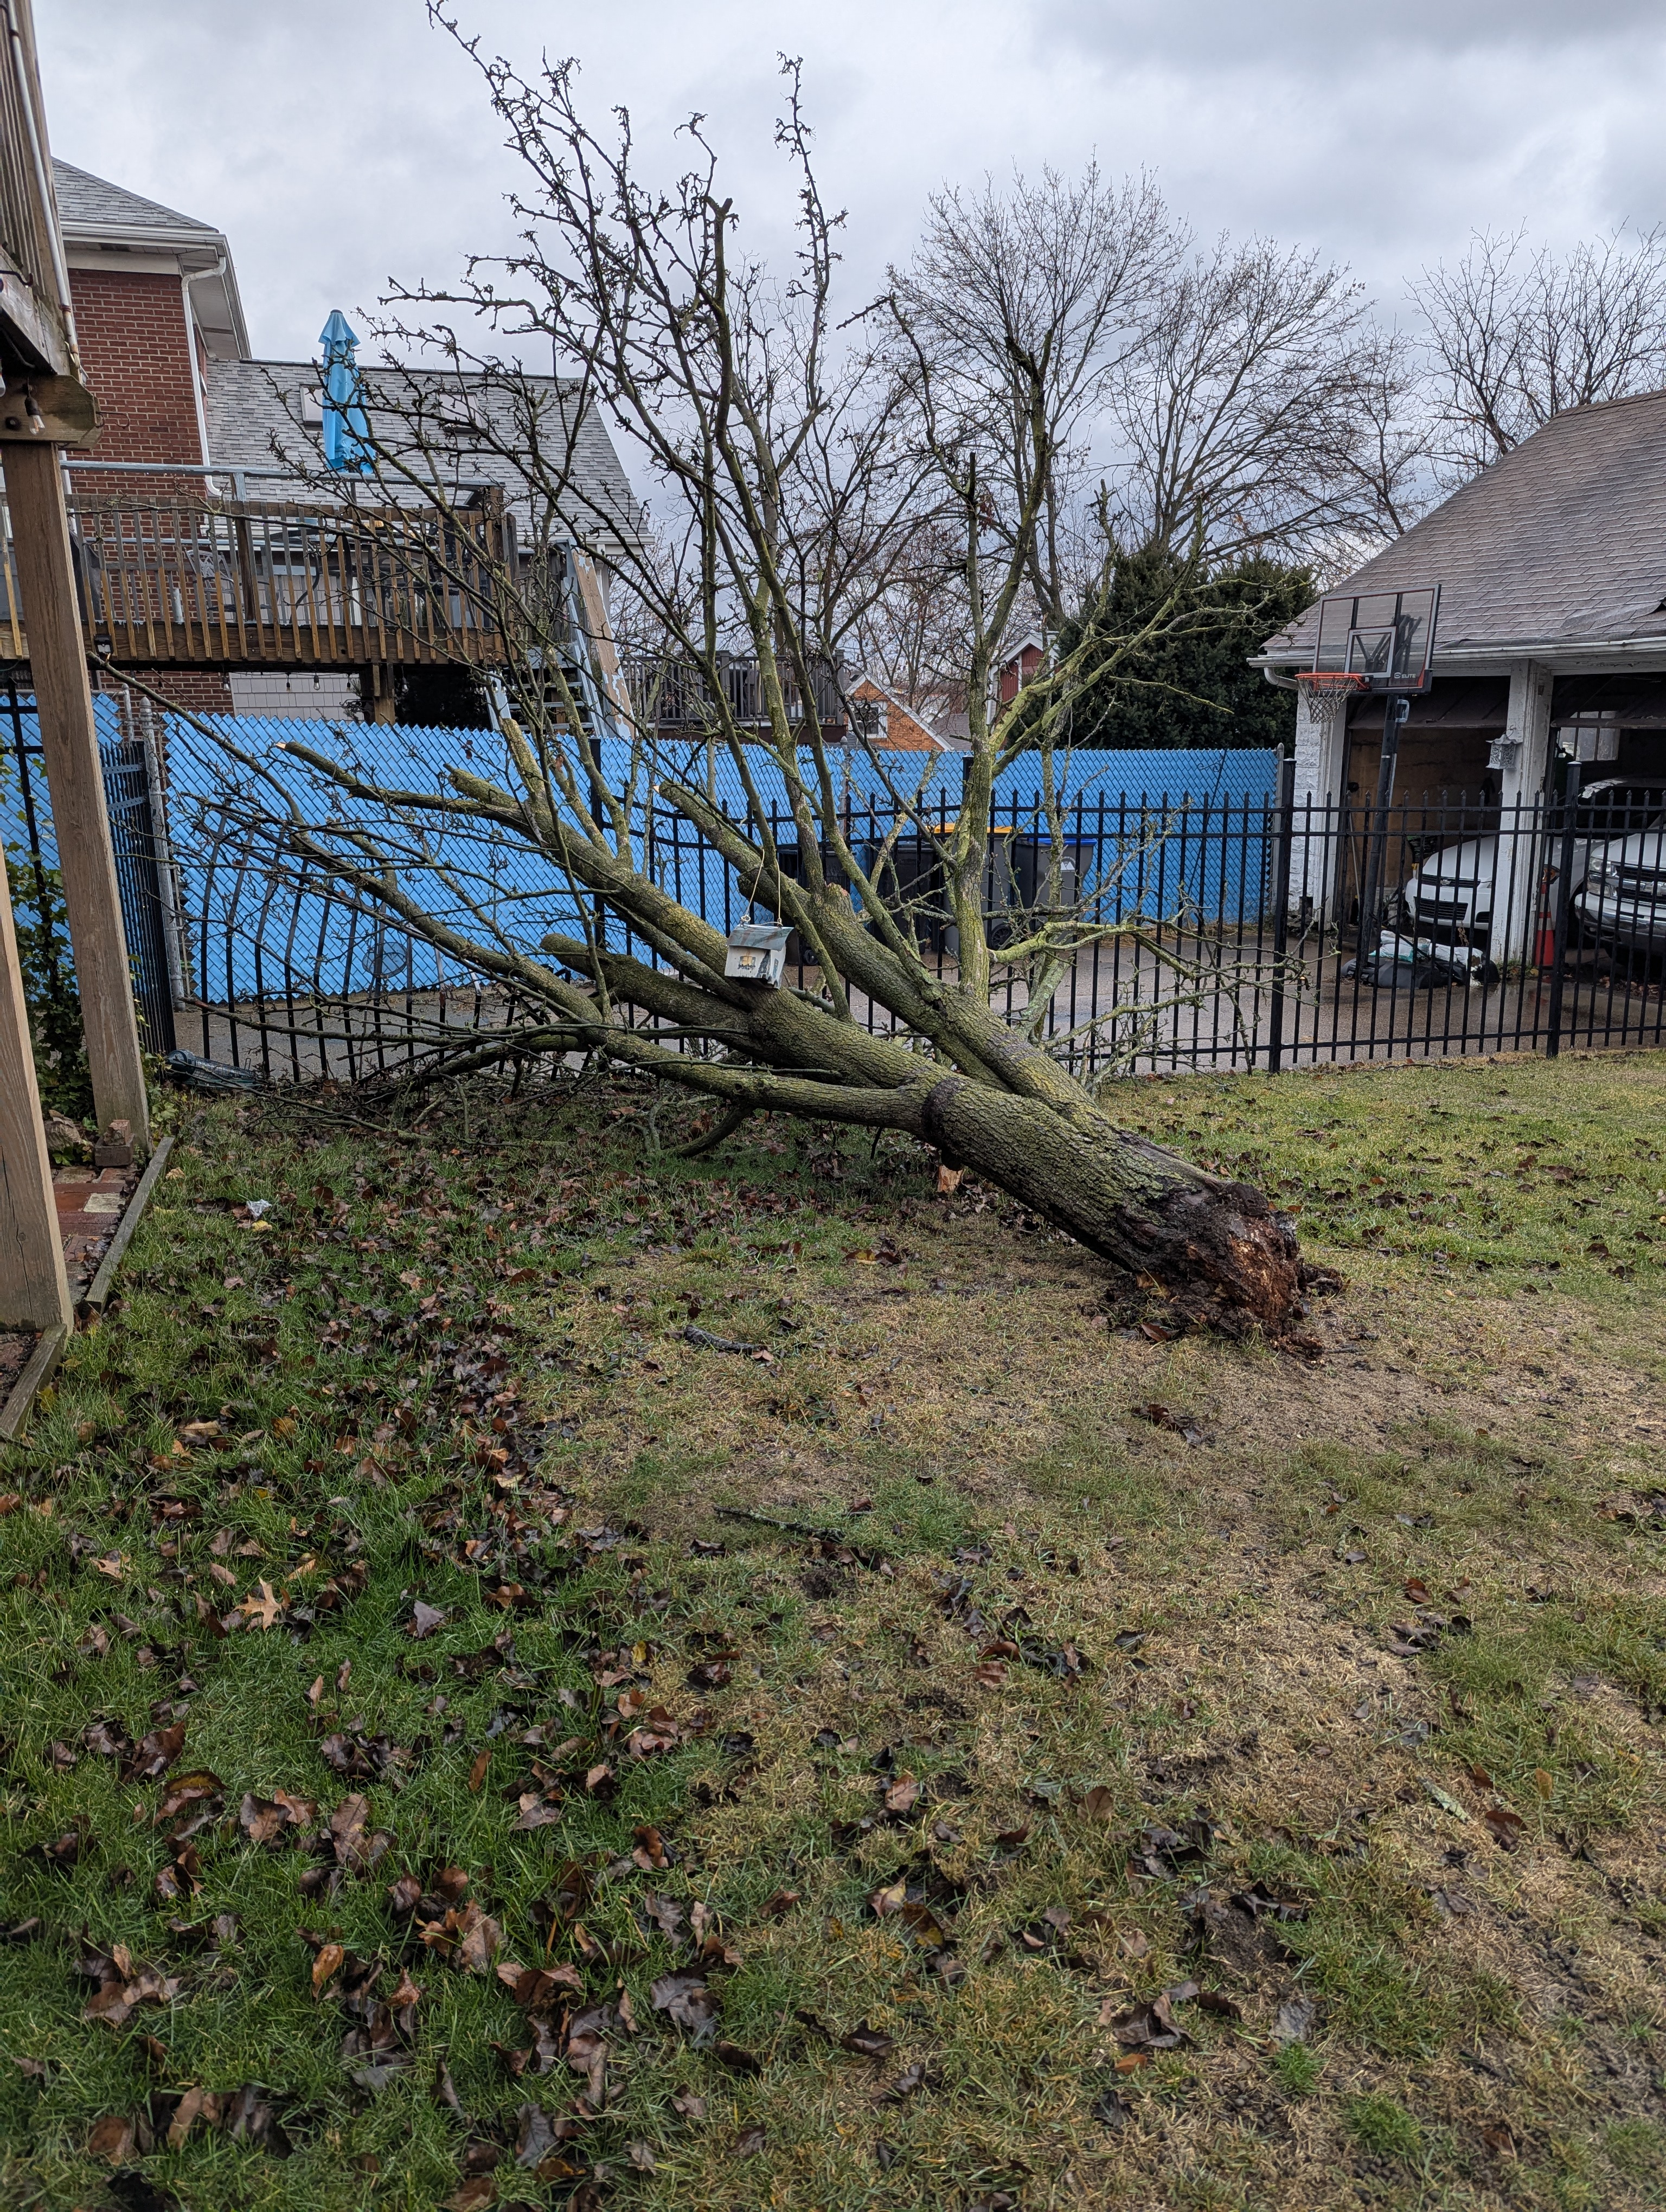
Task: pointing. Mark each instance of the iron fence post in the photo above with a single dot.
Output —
(1284, 817)
(1558, 936)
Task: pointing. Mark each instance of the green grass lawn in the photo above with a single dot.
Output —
(538, 1675)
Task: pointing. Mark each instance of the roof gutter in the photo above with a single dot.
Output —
(1529, 648)
(142, 235)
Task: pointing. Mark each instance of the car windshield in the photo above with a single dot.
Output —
(1619, 810)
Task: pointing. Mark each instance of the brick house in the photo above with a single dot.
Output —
(190, 415)
(155, 299)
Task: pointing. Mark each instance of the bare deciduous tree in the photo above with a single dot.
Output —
(1024, 306)
(798, 457)
(1235, 409)
(1516, 336)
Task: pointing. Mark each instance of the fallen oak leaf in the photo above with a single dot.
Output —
(534, 1988)
(195, 2104)
(263, 1610)
(187, 1790)
(1149, 2026)
(151, 1759)
(649, 1850)
(538, 1811)
(921, 1923)
(666, 1912)
(909, 2083)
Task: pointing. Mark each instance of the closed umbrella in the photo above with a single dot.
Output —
(346, 432)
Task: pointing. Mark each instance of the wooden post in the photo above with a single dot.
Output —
(376, 702)
(34, 1291)
(68, 742)
(1525, 760)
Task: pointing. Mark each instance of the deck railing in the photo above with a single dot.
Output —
(678, 698)
(183, 579)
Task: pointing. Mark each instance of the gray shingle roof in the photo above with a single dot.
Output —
(86, 203)
(1561, 544)
(248, 416)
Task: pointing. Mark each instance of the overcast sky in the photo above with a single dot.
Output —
(341, 142)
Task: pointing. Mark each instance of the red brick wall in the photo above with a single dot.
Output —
(136, 349)
(198, 691)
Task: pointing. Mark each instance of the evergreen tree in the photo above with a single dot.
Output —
(1191, 685)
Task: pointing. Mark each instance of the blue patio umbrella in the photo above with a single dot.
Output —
(346, 432)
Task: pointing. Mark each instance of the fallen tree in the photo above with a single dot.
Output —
(803, 466)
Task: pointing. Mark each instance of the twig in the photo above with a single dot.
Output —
(731, 1122)
(787, 1528)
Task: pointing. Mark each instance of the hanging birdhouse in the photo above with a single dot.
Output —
(757, 952)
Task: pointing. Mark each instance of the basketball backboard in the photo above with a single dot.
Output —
(1377, 641)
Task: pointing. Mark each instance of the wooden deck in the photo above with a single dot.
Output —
(183, 581)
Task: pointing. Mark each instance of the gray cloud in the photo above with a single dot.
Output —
(1315, 36)
(339, 142)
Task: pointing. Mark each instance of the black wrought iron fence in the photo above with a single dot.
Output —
(133, 803)
(1129, 934)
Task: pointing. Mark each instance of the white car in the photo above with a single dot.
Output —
(1448, 902)
(1621, 904)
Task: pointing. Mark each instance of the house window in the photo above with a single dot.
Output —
(1592, 738)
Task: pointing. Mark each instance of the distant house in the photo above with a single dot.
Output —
(1552, 636)
(189, 414)
(888, 722)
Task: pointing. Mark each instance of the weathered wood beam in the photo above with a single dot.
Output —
(75, 777)
(34, 1291)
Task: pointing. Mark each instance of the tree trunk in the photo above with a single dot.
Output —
(1216, 1249)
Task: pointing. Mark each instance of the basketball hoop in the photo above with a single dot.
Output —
(1327, 690)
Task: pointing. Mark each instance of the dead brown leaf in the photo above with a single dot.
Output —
(111, 2139)
(686, 1999)
(650, 1852)
(478, 1937)
(262, 1608)
(1504, 1826)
